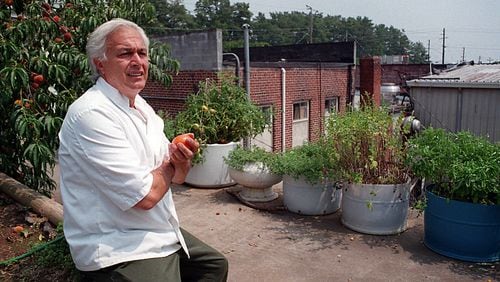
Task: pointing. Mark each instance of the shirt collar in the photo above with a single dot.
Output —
(113, 94)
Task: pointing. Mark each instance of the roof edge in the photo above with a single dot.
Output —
(448, 84)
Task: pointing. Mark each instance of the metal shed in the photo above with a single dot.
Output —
(464, 98)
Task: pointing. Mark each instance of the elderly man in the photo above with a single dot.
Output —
(116, 166)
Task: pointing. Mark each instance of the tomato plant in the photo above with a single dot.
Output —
(40, 78)
(220, 113)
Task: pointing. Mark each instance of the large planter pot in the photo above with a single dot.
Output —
(212, 172)
(303, 198)
(378, 209)
(461, 230)
(256, 182)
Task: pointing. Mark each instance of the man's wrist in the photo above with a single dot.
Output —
(166, 170)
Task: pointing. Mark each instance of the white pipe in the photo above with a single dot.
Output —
(283, 109)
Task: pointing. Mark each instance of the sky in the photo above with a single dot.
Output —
(472, 27)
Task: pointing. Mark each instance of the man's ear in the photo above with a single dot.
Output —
(99, 65)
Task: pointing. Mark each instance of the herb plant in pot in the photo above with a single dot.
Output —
(310, 185)
(462, 207)
(220, 115)
(254, 169)
(376, 187)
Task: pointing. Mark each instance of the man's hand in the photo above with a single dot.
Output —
(181, 154)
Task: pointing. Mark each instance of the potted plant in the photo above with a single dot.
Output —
(462, 207)
(220, 115)
(372, 163)
(254, 169)
(310, 185)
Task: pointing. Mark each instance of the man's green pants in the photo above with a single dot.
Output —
(205, 264)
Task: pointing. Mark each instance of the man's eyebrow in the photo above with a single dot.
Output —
(128, 49)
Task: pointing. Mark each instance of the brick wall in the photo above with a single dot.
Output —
(370, 78)
(400, 73)
(172, 99)
(302, 84)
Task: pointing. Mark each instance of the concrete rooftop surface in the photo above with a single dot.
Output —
(279, 245)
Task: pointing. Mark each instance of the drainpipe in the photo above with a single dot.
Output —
(350, 86)
(283, 109)
(247, 59)
(237, 71)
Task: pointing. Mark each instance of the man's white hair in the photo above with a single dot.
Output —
(96, 42)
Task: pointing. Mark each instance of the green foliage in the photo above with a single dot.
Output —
(462, 166)
(56, 255)
(369, 145)
(240, 156)
(172, 14)
(40, 78)
(220, 113)
(315, 162)
(168, 124)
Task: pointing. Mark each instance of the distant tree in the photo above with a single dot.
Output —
(294, 27)
(418, 53)
(361, 30)
(44, 68)
(213, 14)
(241, 15)
(210, 14)
(172, 14)
(281, 28)
(328, 29)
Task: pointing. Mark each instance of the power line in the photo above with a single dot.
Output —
(477, 48)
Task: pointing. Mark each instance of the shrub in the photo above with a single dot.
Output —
(461, 166)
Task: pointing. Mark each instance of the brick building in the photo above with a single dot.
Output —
(310, 80)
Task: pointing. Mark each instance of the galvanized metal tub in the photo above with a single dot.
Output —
(379, 209)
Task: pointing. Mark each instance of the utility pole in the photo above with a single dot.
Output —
(463, 54)
(444, 46)
(429, 56)
(310, 24)
(246, 48)
(429, 51)
(246, 52)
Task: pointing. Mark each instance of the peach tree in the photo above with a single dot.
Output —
(43, 69)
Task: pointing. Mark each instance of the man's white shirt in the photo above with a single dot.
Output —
(106, 155)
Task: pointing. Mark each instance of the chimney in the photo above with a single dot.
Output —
(370, 76)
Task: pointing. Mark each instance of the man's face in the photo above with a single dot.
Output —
(126, 66)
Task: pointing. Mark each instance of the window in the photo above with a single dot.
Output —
(300, 111)
(331, 105)
(300, 124)
(268, 114)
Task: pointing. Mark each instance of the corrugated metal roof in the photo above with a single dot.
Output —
(466, 75)
(470, 73)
